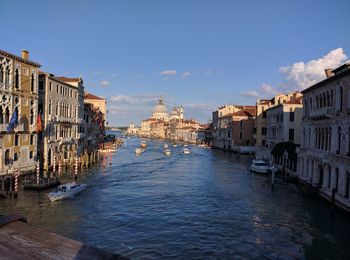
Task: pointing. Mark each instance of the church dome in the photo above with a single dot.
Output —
(160, 108)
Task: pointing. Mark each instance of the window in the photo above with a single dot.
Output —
(31, 155)
(7, 157)
(15, 157)
(341, 99)
(24, 138)
(263, 130)
(50, 86)
(336, 179)
(240, 135)
(291, 116)
(263, 142)
(41, 85)
(16, 79)
(241, 123)
(32, 83)
(16, 140)
(31, 139)
(339, 140)
(291, 134)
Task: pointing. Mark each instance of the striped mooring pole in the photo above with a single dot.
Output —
(54, 164)
(37, 172)
(16, 180)
(76, 166)
(59, 168)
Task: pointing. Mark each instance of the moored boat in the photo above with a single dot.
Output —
(143, 145)
(167, 152)
(66, 191)
(139, 151)
(165, 146)
(259, 166)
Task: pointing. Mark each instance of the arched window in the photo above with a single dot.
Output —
(16, 79)
(328, 101)
(50, 107)
(7, 115)
(341, 99)
(323, 138)
(7, 80)
(311, 108)
(324, 99)
(317, 102)
(57, 108)
(31, 116)
(32, 83)
(1, 115)
(339, 139)
(1, 75)
(331, 97)
(336, 176)
(330, 139)
(320, 100)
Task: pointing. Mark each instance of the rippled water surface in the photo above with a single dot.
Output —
(201, 205)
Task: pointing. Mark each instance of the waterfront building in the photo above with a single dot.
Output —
(59, 105)
(132, 129)
(98, 103)
(324, 155)
(177, 113)
(18, 112)
(145, 130)
(158, 129)
(260, 131)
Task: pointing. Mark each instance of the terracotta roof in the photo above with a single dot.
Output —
(245, 112)
(297, 100)
(65, 79)
(15, 57)
(91, 96)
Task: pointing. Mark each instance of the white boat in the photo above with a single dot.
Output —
(185, 151)
(167, 152)
(259, 166)
(185, 145)
(139, 150)
(143, 145)
(174, 145)
(66, 191)
(165, 146)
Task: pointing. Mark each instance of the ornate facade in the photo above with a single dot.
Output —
(324, 155)
(18, 92)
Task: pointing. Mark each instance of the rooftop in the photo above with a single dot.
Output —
(88, 95)
(15, 57)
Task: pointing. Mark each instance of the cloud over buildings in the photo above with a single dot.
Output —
(168, 73)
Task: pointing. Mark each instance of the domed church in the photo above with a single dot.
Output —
(160, 112)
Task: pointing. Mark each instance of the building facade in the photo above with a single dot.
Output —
(59, 105)
(19, 99)
(324, 155)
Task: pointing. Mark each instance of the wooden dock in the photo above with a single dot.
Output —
(45, 183)
(20, 240)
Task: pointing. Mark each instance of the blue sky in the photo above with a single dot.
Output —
(199, 54)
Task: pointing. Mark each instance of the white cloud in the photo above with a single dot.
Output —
(250, 93)
(185, 74)
(137, 99)
(301, 75)
(168, 73)
(104, 83)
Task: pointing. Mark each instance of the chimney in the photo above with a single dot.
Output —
(25, 54)
(329, 73)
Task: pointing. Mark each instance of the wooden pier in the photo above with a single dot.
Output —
(20, 240)
(44, 183)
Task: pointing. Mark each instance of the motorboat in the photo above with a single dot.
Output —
(259, 166)
(165, 146)
(185, 151)
(167, 152)
(139, 150)
(143, 145)
(174, 145)
(66, 191)
(185, 145)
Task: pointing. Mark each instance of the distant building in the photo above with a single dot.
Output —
(324, 155)
(160, 111)
(98, 103)
(132, 129)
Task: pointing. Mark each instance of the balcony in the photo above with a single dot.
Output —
(19, 128)
(3, 127)
(32, 128)
(321, 112)
(66, 140)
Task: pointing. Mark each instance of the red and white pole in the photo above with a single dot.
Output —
(59, 168)
(76, 166)
(37, 172)
(54, 164)
(16, 180)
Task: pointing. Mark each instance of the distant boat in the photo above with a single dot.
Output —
(174, 145)
(66, 190)
(185, 145)
(143, 145)
(139, 151)
(167, 152)
(165, 146)
(259, 166)
(185, 151)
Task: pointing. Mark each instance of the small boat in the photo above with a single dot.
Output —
(167, 152)
(174, 145)
(201, 145)
(259, 166)
(139, 150)
(143, 145)
(185, 151)
(66, 191)
(165, 146)
(185, 145)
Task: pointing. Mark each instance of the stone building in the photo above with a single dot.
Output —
(59, 105)
(132, 129)
(324, 155)
(98, 103)
(18, 96)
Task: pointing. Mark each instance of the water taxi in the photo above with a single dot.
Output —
(167, 152)
(185, 151)
(139, 151)
(259, 166)
(66, 191)
(143, 145)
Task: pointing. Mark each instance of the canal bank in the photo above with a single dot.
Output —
(203, 205)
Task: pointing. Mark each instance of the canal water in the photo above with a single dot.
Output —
(204, 205)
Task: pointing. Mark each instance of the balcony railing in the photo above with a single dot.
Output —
(320, 112)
